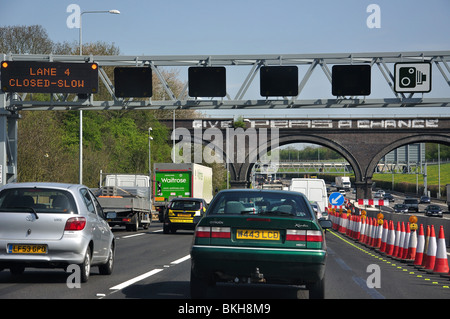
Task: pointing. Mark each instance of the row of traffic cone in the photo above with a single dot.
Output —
(423, 251)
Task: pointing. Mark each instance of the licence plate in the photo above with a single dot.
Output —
(258, 234)
(27, 249)
(184, 215)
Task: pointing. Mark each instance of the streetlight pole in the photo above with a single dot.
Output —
(81, 111)
(150, 138)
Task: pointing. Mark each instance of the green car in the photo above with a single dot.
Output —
(280, 241)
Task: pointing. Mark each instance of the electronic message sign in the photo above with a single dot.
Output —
(49, 77)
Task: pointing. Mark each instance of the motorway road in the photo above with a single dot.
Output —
(150, 264)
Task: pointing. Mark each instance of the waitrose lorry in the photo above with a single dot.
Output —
(180, 180)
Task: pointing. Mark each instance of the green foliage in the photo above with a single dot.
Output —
(114, 142)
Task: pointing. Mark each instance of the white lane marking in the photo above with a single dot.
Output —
(175, 262)
(134, 235)
(147, 274)
(135, 279)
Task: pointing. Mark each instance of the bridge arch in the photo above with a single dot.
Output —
(245, 169)
(419, 138)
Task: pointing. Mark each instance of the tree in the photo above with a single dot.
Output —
(23, 39)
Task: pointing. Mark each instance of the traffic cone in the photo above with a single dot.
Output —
(362, 232)
(391, 239)
(420, 248)
(412, 247)
(400, 242)
(425, 248)
(441, 263)
(431, 251)
(397, 240)
(369, 233)
(406, 242)
(377, 241)
(343, 224)
(358, 228)
(384, 237)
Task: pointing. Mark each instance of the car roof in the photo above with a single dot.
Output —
(266, 191)
(61, 186)
(186, 198)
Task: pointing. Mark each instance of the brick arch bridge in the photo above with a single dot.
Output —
(362, 142)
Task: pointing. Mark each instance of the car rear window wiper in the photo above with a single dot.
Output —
(20, 210)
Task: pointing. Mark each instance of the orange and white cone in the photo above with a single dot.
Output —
(418, 258)
(406, 242)
(400, 242)
(358, 228)
(441, 263)
(362, 233)
(397, 240)
(379, 234)
(391, 239)
(412, 246)
(384, 237)
(368, 232)
(425, 249)
(431, 251)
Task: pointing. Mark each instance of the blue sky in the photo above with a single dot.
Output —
(184, 27)
(243, 26)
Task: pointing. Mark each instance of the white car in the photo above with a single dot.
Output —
(52, 225)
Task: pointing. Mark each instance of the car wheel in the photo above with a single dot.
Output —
(85, 266)
(107, 268)
(198, 287)
(17, 270)
(317, 289)
(166, 229)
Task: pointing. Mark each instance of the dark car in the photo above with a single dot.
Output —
(183, 213)
(400, 208)
(389, 197)
(425, 200)
(433, 210)
(412, 204)
(283, 243)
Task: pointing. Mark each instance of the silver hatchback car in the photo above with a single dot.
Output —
(52, 225)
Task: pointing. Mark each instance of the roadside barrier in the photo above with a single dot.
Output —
(406, 242)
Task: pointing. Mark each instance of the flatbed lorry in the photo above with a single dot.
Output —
(126, 199)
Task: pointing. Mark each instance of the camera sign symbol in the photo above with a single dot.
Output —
(412, 77)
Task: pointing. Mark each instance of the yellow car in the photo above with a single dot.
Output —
(183, 213)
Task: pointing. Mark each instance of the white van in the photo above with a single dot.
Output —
(314, 189)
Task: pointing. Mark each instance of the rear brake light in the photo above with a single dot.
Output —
(203, 232)
(314, 235)
(213, 232)
(75, 223)
(295, 235)
(304, 235)
(220, 232)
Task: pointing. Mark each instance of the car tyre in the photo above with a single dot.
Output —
(317, 289)
(85, 266)
(198, 287)
(17, 270)
(107, 268)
